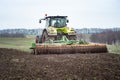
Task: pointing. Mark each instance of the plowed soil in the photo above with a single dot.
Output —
(18, 65)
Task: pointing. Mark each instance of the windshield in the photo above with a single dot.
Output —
(58, 22)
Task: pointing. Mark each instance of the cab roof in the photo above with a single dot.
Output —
(55, 17)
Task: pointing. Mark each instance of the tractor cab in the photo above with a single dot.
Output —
(55, 28)
(56, 21)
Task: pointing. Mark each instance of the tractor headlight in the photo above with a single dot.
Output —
(71, 29)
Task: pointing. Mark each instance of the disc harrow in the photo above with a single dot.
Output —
(99, 48)
(67, 46)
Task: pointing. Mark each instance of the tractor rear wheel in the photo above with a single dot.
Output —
(44, 36)
(73, 37)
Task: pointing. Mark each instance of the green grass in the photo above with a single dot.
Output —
(17, 43)
(114, 49)
(25, 43)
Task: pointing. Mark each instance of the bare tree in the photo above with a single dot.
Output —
(15, 35)
(110, 37)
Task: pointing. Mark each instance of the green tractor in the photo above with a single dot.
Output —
(57, 38)
(56, 27)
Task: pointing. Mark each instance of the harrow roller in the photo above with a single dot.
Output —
(87, 48)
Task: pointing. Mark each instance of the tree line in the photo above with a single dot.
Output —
(109, 37)
(12, 35)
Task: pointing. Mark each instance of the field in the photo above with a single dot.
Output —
(17, 43)
(19, 64)
(114, 49)
(25, 43)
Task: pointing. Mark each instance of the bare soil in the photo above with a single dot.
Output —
(18, 65)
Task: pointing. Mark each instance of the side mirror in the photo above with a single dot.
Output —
(39, 21)
(67, 21)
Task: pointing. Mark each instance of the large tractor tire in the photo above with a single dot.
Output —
(72, 37)
(44, 37)
(38, 39)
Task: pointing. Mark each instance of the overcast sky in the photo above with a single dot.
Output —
(81, 13)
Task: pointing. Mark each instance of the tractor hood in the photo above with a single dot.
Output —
(66, 30)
